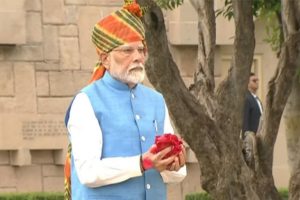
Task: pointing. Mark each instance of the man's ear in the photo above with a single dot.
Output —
(104, 59)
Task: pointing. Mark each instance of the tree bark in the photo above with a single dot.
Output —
(207, 41)
(209, 121)
(292, 119)
(279, 90)
(291, 29)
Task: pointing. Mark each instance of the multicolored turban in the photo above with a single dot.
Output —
(120, 27)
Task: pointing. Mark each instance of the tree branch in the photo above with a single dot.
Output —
(231, 92)
(190, 117)
(280, 85)
(279, 91)
(207, 41)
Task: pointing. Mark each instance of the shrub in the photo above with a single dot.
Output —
(198, 196)
(32, 196)
(204, 196)
(284, 193)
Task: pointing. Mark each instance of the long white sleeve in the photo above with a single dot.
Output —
(86, 139)
(171, 176)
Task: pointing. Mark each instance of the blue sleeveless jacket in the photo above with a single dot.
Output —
(129, 120)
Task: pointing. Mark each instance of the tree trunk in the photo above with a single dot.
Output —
(292, 121)
(209, 121)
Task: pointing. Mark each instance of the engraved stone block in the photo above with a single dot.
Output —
(33, 132)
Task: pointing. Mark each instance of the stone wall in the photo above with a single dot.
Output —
(39, 73)
(46, 56)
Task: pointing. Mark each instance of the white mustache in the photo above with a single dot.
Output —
(138, 66)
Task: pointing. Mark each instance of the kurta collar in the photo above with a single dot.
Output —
(112, 82)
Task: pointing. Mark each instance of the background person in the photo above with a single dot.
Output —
(253, 107)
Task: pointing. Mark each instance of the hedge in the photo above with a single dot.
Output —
(60, 196)
(205, 196)
(32, 196)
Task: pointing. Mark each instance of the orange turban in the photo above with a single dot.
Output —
(118, 28)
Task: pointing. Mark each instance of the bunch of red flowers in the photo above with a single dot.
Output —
(167, 140)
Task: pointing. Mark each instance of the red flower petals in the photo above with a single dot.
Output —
(167, 140)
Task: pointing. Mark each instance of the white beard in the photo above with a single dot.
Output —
(134, 75)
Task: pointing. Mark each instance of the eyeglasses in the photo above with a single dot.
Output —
(128, 51)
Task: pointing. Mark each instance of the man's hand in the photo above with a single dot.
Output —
(157, 160)
(179, 161)
(172, 163)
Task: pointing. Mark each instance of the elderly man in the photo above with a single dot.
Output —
(113, 122)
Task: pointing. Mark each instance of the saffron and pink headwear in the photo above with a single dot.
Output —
(120, 27)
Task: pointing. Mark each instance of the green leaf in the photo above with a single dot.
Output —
(266, 10)
(169, 4)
